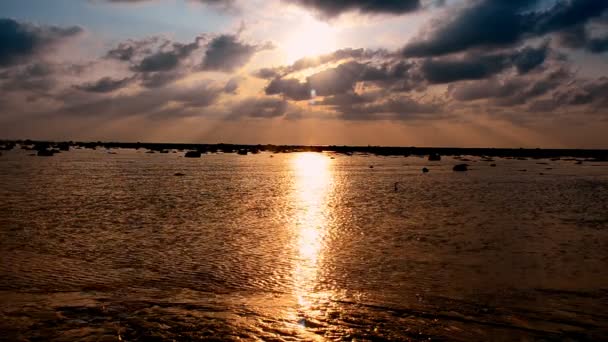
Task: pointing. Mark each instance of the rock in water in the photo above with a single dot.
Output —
(425, 170)
(45, 153)
(434, 157)
(179, 174)
(192, 154)
(461, 167)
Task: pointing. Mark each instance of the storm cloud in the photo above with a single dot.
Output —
(479, 66)
(329, 9)
(20, 42)
(501, 23)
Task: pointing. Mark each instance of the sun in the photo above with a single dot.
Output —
(309, 38)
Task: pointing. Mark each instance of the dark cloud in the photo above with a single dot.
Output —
(105, 85)
(338, 80)
(155, 61)
(19, 42)
(343, 79)
(129, 50)
(166, 60)
(568, 13)
(585, 93)
(151, 102)
(579, 37)
(159, 79)
(231, 86)
(316, 61)
(474, 66)
(391, 108)
(35, 78)
(329, 9)
(501, 23)
(226, 53)
(514, 90)
(484, 89)
(265, 107)
(267, 73)
(290, 87)
(224, 4)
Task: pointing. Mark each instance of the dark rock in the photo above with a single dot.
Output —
(493, 165)
(179, 174)
(425, 170)
(460, 167)
(434, 157)
(192, 154)
(45, 153)
(64, 146)
(8, 146)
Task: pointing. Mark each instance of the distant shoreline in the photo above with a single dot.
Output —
(595, 154)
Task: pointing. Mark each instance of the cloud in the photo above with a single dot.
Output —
(105, 85)
(220, 4)
(166, 60)
(579, 37)
(390, 108)
(330, 9)
(167, 102)
(20, 42)
(343, 79)
(127, 51)
(34, 78)
(290, 87)
(232, 85)
(315, 61)
(156, 61)
(254, 107)
(501, 23)
(226, 53)
(585, 93)
(474, 66)
(511, 90)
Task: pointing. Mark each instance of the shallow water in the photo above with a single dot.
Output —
(300, 246)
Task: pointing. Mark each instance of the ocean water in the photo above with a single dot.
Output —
(300, 247)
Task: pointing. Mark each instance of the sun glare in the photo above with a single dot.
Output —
(313, 178)
(309, 38)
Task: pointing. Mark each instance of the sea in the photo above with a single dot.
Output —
(124, 245)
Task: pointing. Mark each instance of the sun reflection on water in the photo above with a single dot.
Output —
(313, 180)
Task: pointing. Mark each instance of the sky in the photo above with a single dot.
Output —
(461, 73)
